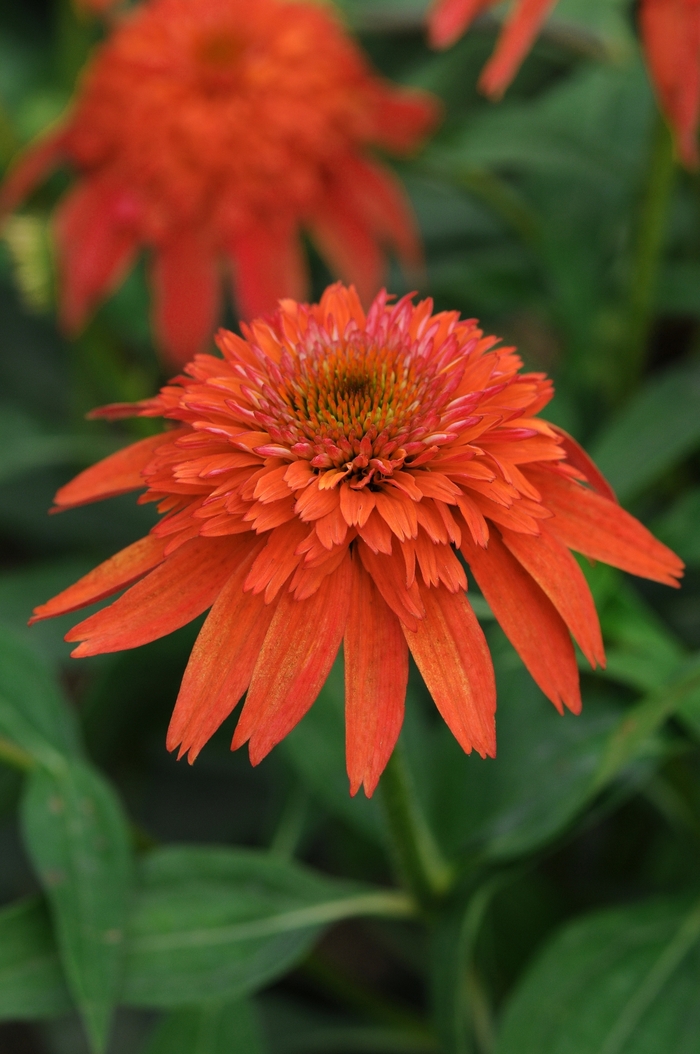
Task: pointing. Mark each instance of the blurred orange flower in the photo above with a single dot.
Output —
(213, 131)
(670, 32)
(316, 487)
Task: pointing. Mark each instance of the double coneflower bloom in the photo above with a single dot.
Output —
(213, 132)
(331, 480)
(670, 32)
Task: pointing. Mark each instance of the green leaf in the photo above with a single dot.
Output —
(605, 20)
(217, 1028)
(79, 844)
(657, 429)
(34, 714)
(221, 923)
(31, 981)
(316, 750)
(618, 982)
(539, 781)
(641, 650)
(452, 978)
(635, 730)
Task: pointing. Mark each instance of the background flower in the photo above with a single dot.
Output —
(214, 133)
(670, 32)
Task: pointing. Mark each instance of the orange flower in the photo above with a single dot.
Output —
(212, 132)
(316, 488)
(670, 32)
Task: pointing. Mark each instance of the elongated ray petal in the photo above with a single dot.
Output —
(448, 19)
(269, 264)
(117, 474)
(295, 659)
(186, 288)
(119, 571)
(556, 572)
(577, 456)
(96, 241)
(376, 675)
(452, 655)
(221, 664)
(515, 41)
(529, 621)
(600, 529)
(178, 590)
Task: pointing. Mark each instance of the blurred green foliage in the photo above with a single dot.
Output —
(219, 908)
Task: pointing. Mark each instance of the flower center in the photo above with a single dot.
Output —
(352, 391)
(354, 405)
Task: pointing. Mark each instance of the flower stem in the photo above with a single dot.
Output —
(421, 864)
(647, 251)
(14, 756)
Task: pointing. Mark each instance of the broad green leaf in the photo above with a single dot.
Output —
(539, 780)
(451, 945)
(316, 750)
(31, 981)
(656, 430)
(216, 1028)
(221, 923)
(606, 21)
(34, 714)
(79, 843)
(624, 981)
(601, 146)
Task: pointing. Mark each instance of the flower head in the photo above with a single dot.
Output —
(212, 132)
(319, 483)
(670, 32)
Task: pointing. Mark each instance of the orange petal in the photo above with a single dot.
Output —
(389, 576)
(269, 265)
(96, 242)
(346, 241)
(556, 572)
(356, 505)
(295, 659)
(177, 591)
(453, 657)
(529, 621)
(600, 529)
(116, 573)
(671, 34)
(403, 119)
(276, 562)
(221, 663)
(186, 295)
(577, 456)
(30, 168)
(448, 19)
(117, 474)
(376, 675)
(515, 41)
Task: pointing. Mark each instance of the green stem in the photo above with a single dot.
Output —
(420, 861)
(646, 259)
(14, 756)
